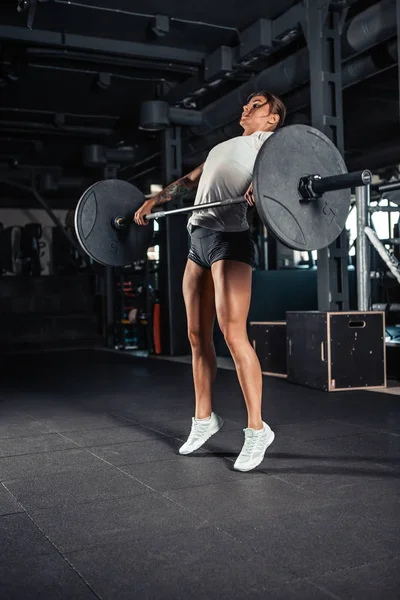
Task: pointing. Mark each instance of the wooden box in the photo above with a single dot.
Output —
(269, 342)
(335, 351)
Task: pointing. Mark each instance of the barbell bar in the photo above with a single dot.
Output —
(121, 222)
(310, 187)
(302, 194)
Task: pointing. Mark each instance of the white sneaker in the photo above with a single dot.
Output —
(201, 431)
(255, 445)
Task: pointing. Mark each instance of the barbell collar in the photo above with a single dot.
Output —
(314, 186)
(119, 222)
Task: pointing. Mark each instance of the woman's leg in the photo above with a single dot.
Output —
(232, 283)
(198, 293)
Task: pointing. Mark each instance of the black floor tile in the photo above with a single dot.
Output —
(111, 435)
(133, 519)
(318, 540)
(318, 430)
(19, 425)
(365, 449)
(296, 590)
(89, 421)
(45, 463)
(366, 454)
(24, 428)
(334, 483)
(250, 497)
(58, 407)
(73, 487)
(185, 471)
(9, 413)
(162, 449)
(200, 563)
(381, 412)
(159, 411)
(368, 582)
(371, 444)
(330, 465)
(34, 444)
(20, 538)
(319, 517)
(8, 505)
(292, 404)
(42, 578)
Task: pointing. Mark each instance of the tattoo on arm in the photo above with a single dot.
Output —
(178, 189)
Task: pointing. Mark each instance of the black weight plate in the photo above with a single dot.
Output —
(289, 154)
(94, 215)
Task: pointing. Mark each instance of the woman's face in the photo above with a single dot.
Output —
(257, 116)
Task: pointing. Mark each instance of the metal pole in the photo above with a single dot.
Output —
(392, 186)
(323, 28)
(109, 285)
(388, 209)
(173, 252)
(362, 247)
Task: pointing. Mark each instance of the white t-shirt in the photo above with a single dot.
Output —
(227, 173)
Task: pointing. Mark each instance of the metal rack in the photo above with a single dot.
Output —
(366, 235)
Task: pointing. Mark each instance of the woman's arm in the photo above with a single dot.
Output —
(177, 190)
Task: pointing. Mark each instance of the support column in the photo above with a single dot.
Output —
(362, 249)
(173, 255)
(109, 307)
(323, 28)
(110, 171)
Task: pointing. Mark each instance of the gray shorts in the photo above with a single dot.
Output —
(207, 246)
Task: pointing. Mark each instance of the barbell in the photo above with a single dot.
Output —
(302, 193)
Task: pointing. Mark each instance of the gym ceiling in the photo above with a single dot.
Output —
(75, 74)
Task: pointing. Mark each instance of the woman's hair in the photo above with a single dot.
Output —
(276, 105)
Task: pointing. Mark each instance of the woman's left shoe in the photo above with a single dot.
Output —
(201, 431)
(255, 445)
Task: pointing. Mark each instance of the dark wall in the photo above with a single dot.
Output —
(53, 310)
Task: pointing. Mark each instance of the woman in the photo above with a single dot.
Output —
(217, 279)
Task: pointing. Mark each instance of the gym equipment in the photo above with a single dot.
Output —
(31, 249)
(301, 188)
(268, 339)
(390, 259)
(95, 223)
(335, 351)
(11, 251)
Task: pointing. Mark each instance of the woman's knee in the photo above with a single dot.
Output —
(234, 335)
(198, 338)
(194, 336)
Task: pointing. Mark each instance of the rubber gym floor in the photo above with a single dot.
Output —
(95, 501)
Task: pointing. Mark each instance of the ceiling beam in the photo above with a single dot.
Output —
(261, 39)
(63, 55)
(47, 128)
(97, 44)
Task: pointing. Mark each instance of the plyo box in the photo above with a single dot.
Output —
(335, 351)
(269, 342)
